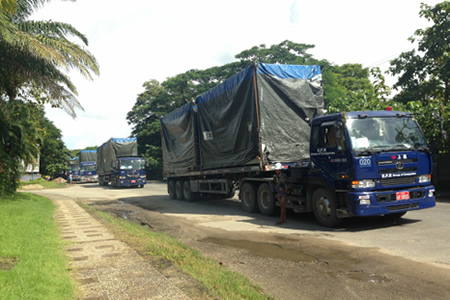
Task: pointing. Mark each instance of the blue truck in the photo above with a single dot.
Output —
(74, 168)
(118, 162)
(88, 166)
(351, 164)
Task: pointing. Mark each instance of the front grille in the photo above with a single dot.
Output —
(398, 181)
(402, 206)
(133, 174)
(394, 161)
(394, 170)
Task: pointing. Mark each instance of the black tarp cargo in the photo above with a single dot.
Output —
(260, 113)
(88, 155)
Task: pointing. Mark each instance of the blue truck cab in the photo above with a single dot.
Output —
(75, 171)
(128, 171)
(74, 168)
(368, 163)
(88, 166)
(88, 171)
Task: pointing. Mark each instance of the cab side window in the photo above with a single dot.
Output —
(315, 137)
(329, 136)
(325, 137)
(333, 137)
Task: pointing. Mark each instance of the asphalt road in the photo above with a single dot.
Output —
(421, 235)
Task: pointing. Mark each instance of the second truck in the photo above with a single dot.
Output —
(340, 165)
(118, 162)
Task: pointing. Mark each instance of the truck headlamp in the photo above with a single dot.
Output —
(425, 178)
(363, 184)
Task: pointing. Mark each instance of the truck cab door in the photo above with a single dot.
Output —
(330, 151)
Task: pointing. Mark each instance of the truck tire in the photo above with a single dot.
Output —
(171, 189)
(248, 197)
(266, 200)
(324, 208)
(187, 193)
(179, 190)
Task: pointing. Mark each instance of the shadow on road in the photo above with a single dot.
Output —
(232, 207)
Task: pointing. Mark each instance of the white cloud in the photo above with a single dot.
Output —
(139, 40)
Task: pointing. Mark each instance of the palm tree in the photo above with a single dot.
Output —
(35, 54)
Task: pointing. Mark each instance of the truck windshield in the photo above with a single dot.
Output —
(88, 168)
(385, 134)
(132, 164)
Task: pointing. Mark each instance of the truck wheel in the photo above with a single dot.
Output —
(188, 195)
(266, 200)
(248, 197)
(324, 208)
(171, 189)
(179, 190)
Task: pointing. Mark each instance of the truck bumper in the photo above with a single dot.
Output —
(389, 202)
(133, 182)
(93, 178)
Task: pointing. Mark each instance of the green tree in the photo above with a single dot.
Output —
(53, 151)
(353, 90)
(20, 135)
(286, 52)
(34, 56)
(424, 74)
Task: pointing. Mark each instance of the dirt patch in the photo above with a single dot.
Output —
(300, 266)
(32, 187)
(59, 180)
(7, 263)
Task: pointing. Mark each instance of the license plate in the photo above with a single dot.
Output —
(89, 179)
(133, 181)
(402, 195)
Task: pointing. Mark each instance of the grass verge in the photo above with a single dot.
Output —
(44, 183)
(32, 260)
(221, 282)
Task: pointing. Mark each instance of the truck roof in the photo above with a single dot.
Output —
(377, 113)
(129, 157)
(362, 114)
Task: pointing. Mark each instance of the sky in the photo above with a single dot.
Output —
(139, 40)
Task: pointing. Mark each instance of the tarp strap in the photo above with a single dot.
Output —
(257, 118)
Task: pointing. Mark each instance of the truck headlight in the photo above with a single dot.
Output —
(425, 178)
(363, 184)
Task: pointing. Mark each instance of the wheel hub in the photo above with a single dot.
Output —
(323, 206)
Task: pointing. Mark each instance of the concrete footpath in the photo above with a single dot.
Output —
(105, 267)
